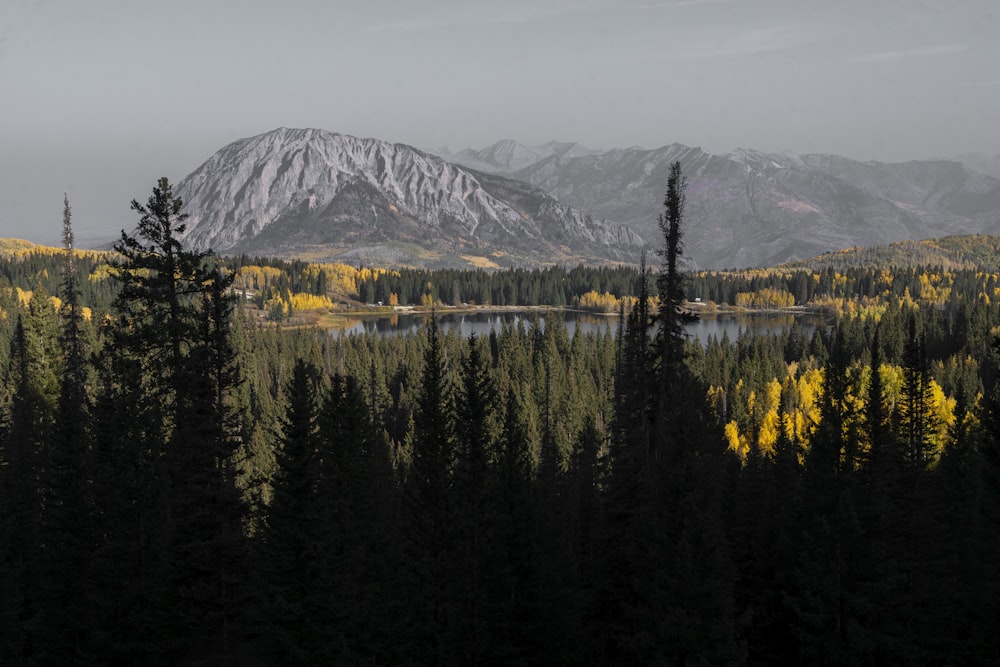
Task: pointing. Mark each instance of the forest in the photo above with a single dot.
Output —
(184, 483)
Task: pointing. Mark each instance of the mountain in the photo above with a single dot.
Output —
(984, 164)
(324, 196)
(748, 208)
(977, 252)
(509, 156)
(317, 194)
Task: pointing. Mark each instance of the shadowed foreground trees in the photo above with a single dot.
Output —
(202, 491)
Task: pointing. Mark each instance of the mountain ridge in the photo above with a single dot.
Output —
(324, 195)
(292, 191)
(750, 208)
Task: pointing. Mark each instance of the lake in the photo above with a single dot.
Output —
(482, 323)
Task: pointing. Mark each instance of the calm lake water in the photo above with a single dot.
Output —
(481, 324)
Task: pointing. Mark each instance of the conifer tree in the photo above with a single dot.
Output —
(916, 415)
(167, 391)
(476, 436)
(829, 602)
(669, 594)
(206, 552)
(672, 317)
(67, 523)
(21, 442)
(431, 509)
(357, 505)
(293, 557)
(512, 553)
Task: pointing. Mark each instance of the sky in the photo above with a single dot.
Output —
(99, 99)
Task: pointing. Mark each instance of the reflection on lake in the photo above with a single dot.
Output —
(482, 323)
(764, 323)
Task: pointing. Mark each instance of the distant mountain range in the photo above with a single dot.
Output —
(316, 194)
(320, 195)
(984, 164)
(748, 208)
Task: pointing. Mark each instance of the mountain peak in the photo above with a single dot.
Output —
(290, 191)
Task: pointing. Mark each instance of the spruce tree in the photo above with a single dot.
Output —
(476, 440)
(206, 552)
(167, 391)
(294, 567)
(21, 442)
(669, 596)
(829, 603)
(67, 520)
(357, 505)
(431, 508)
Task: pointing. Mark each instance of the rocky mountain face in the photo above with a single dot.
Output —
(748, 208)
(320, 195)
(508, 156)
(316, 194)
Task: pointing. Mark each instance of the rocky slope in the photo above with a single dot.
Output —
(748, 208)
(314, 193)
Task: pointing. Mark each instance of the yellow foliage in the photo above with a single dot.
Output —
(603, 302)
(101, 272)
(256, 277)
(768, 297)
(301, 301)
(769, 431)
(943, 408)
(732, 434)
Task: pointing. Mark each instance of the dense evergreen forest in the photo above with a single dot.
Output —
(181, 483)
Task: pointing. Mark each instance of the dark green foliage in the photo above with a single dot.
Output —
(206, 491)
(295, 536)
(667, 573)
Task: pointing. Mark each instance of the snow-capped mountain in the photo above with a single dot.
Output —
(295, 192)
(748, 208)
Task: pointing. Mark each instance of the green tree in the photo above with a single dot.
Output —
(67, 519)
(431, 510)
(298, 591)
(168, 421)
(21, 439)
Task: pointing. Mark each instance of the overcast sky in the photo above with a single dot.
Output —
(100, 98)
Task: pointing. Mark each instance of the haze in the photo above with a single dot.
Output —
(99, 99)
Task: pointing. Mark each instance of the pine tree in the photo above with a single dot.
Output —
(916, 415)
(206, 552)
(357, 500)
(476, 436)
(293, 546)
(431, 508)
(21, 442)
(167, 420)
(669, 594)
(161, 285)
(829, 602)
(67, 525)
(672, 316)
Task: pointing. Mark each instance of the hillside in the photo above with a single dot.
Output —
(748, 208)
(326, 196)
(972, 252)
